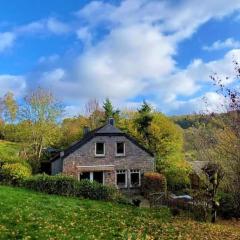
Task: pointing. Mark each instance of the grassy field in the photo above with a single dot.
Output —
(29, 215)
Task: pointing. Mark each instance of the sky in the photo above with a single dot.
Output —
(129, 51)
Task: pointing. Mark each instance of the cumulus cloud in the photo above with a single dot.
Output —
(228, 43)
(6, 40)
(134, 56)
(207, 103)
(44, 26)
(12, 83)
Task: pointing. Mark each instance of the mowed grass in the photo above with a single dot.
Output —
(28, 215)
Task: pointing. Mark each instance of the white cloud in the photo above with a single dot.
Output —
(178, 18)
(122, 66)
(48, 25)
(45, 26)
(6, 40)
(207, 103)
(228, 43)
(13, 83)
(56, 26)
(136, 55)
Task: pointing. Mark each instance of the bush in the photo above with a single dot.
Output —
(12, 173)
(228, 207)
(153, 182)
(68, 186)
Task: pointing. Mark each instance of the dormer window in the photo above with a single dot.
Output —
(120, 149)
(100, 149)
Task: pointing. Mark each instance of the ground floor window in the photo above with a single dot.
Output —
(135, 180)
(92, 176)
(121, 177)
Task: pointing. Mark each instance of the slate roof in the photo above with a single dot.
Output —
(106, 130)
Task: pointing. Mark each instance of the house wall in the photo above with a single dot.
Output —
(57, 166)
(135, 158)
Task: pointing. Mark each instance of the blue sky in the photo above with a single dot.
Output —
(160, 51)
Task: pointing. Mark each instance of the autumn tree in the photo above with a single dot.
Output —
(218, 138)
(40, 111)
(10, 107)
(72, 130)
(162, 137)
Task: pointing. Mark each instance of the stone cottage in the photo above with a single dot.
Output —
(106, 155)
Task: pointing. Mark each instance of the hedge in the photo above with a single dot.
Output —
(68, 186)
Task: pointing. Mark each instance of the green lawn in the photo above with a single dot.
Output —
(28, 215)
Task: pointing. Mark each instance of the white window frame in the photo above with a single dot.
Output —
(99, 155)
(120, 154)
(121, 172)
(130, 177)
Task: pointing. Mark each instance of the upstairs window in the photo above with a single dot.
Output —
(99, 149)
(135, 180)
(120, 149)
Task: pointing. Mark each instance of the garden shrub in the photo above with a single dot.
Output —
(153, 182)
(12, 173)
(228, 206)
(68, 186)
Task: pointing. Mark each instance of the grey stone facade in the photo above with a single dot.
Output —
(84, 159)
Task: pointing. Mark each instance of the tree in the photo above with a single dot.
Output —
(162, 137)
(72, 130)
(144, 120)
(109, 110)
(40, 111)
(94, 113)
(10, 107)
(218, 140)
(214, 175)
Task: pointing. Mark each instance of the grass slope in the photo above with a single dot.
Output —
(9, 151)
(9, 148)
(29, 215)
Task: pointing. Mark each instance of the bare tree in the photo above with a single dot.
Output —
(94, 112)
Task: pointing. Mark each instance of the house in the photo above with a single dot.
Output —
(106, 155)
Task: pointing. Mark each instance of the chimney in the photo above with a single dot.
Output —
(111, 121)
(86, 130)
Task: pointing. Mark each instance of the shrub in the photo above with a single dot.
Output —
(59, 184)
(14, 172)
(68, 186)
(228, 207)
(153, 182)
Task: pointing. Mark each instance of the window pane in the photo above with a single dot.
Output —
(135, 179)
(85, 175)
(98, 177)
(121, 178)
(120, 148)
(99, 148)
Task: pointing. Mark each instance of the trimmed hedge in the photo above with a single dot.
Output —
(153, 182)
(68, 186)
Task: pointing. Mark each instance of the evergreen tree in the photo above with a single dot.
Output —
(109, 110)
(144, 120)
